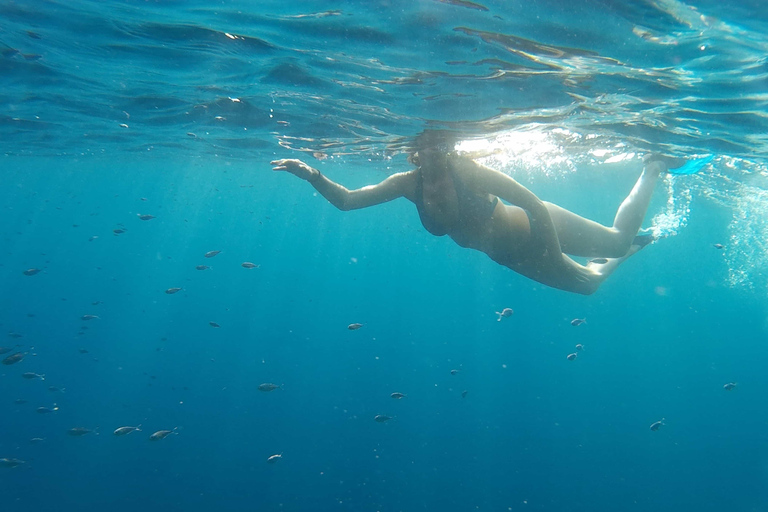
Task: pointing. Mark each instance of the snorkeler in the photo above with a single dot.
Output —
(458, 197)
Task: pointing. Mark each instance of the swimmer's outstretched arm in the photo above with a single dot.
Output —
(397, 185)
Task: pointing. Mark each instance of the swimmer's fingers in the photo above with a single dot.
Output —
(295, 167)
(582, 278)
(588, 273)
(281, 165)
(581, 273)
(289, 165)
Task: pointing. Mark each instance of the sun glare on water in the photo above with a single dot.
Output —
(538, 150)
(529, 149)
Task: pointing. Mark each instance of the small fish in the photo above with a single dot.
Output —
(19, 401)
(80, 431)
(122, 431)
(211, 254)
(464, 394)
(657, 424)
(398, 396)
(32, 375)
(202, 267)
(94, 237)
(162, 434)
(729, 386)
(454, 372)
(171, 291)
(119, 231)
(274, 458)
(578, 321)
(32, 271)
(5, 350)
(83, 350)
(14, 358)
(354, 327)
(572, 356)
(54, 389)
(145, 216)
(37, 440)
(579, 347)
(381, 418)
(718, 246)
(6, 462)
(15, 335)
(213, 324)
(248, 264)
(89, 317)
(46, 410)
(96, 302)
(504, 313)
(268, 386)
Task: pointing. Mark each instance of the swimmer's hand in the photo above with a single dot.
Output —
(295, 167)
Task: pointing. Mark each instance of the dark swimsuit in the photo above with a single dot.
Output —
(473, 206)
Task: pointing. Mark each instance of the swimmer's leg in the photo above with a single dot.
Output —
(605, 266)
(583, 237)
(589, 277)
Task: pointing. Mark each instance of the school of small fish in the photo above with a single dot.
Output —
(17, 354)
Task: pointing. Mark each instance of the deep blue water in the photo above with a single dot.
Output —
(112, 110)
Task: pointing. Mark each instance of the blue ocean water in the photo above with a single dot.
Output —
(112, 110)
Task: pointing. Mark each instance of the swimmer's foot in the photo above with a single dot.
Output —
(638, 243)
(641, 241)
(668, 162)
(674, 165)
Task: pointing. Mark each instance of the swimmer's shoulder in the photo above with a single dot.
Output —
(407, 183)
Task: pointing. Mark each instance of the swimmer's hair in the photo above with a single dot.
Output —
(442, 140)
(430, 138)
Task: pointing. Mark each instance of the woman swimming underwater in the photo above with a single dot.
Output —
(458, 197)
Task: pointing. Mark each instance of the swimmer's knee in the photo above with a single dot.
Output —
(619, 251)
(618, 245)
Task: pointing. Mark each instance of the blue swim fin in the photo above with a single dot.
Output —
(692, 166)
(644, 239)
